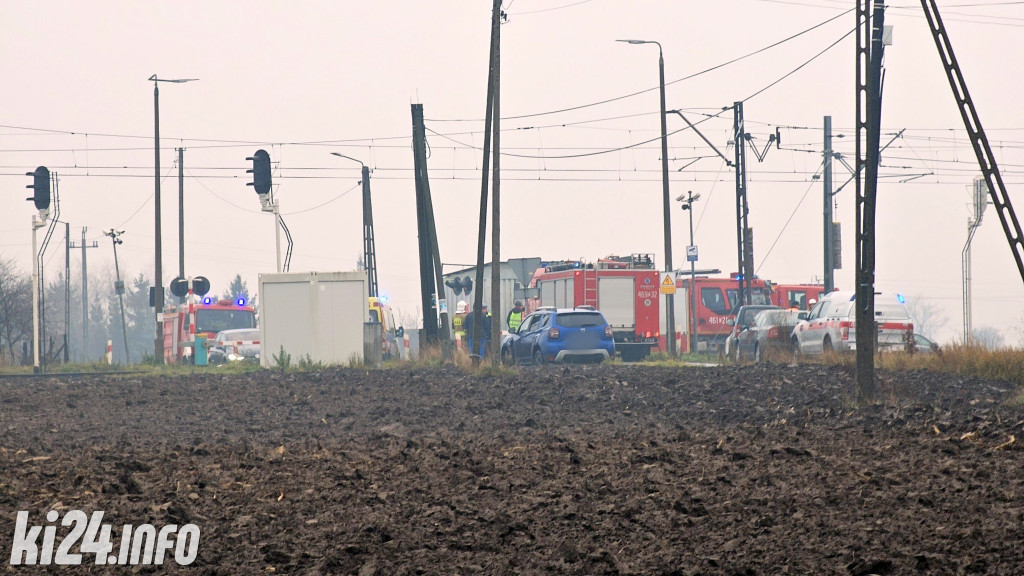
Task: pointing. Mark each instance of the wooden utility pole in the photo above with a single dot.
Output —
(499, 312)
(478, 289)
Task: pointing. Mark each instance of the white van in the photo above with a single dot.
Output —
(830, 325)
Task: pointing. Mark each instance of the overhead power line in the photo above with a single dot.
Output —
(684, 78)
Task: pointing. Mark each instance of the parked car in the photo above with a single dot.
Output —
(770, 330)
(560, 335)
(924, 345)
(744, 317)
(238, 345)
(831, 324)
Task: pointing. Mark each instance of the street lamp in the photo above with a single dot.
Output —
(691, 255)
(670, 313)
(369, 249)
(158, 282)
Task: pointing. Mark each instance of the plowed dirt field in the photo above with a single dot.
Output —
(737, 470)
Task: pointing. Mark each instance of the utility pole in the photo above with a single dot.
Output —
(495, 335)
(115, 237)
(181, 221)
(979, 194)
(829, 233)
(428, 291)
(67, 291)
(744, 242)
(478, 289)
(85, 292)
(869, 92)
(369, 244)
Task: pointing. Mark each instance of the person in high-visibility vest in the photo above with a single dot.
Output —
(515, 317)
(458, 323)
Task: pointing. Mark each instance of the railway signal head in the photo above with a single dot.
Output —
(260, 172)
(41, 187)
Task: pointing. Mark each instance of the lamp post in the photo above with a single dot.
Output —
(670, 313)
(691, 255)
(158, 281)
(369, 249)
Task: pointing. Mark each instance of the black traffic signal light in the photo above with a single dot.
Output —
(467, 285)
(41, 186)
(455, 284)
(260, 172)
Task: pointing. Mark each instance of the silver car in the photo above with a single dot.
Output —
(830, 325)
(238, 345)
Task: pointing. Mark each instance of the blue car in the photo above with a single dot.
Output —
(560, 335)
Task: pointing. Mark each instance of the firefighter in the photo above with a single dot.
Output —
(515, 317)
(458, 322)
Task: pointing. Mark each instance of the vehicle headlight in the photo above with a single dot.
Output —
(234, 357)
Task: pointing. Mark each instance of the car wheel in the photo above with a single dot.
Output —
(538, 357)
(826, 345)
(506, 356)
(757, 354)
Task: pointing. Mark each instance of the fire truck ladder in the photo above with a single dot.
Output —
(590, 287)
(986, 160)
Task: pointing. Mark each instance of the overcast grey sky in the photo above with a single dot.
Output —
(304, 79)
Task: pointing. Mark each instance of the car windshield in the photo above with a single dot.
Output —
(212, 320)
(777, 317)
(580, 319)
(748, 315)
(239, 336)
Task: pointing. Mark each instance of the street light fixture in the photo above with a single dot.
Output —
(691, 255)
(158, 282)
(369, 248)
(670, 313)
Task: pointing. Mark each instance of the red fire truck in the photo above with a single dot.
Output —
(717, 300)
(623, 288)
(205, 317)
(798, 296)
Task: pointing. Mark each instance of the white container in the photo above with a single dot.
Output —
(314, 314)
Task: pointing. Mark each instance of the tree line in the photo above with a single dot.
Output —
(81, 336)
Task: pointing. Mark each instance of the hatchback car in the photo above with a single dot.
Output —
(239, 345)
(560, 335)
(770, 330)
(744, 318)
(831, 324)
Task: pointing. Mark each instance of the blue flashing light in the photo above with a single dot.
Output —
(383, 299)
(575, 264)
(901, 298)
(240, 301)
(207, 301)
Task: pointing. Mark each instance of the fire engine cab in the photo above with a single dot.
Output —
(623, 288)
(717, 300)
(201, 317)
(799, 296)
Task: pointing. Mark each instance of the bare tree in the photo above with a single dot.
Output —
(927, 316)
(15, 308)
(987, 337)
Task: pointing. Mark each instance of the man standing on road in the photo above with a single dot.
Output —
(515, 317)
